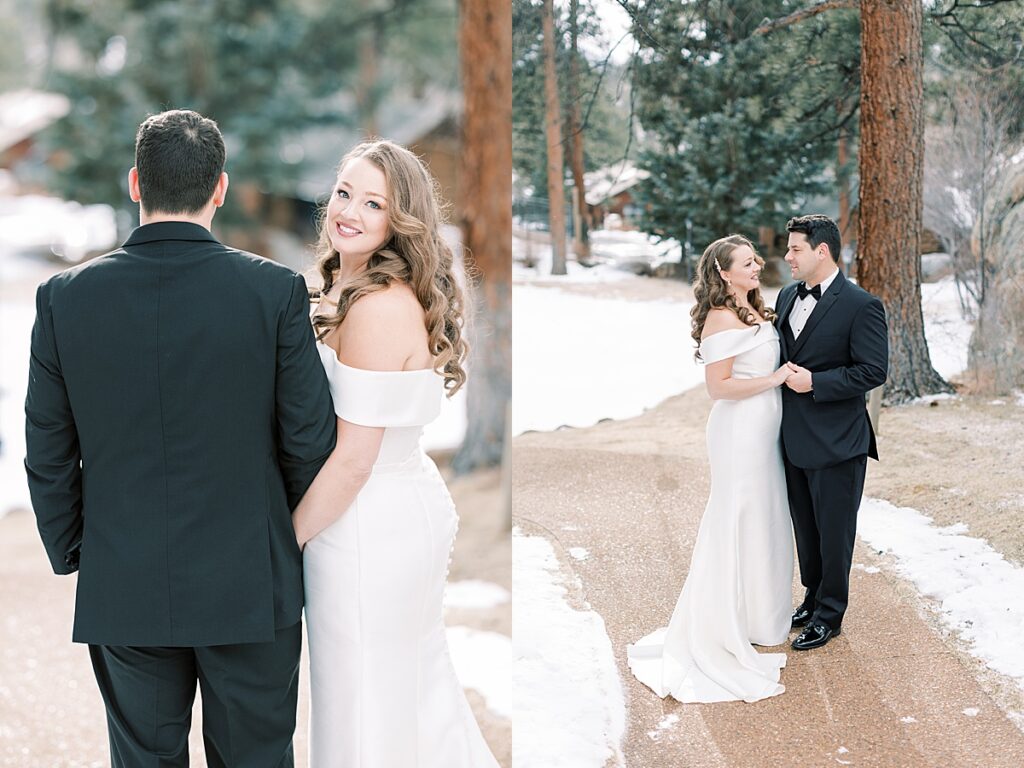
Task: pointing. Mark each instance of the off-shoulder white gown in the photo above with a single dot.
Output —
(738, 590)
(384, 693)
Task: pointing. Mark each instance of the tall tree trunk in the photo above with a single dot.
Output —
(891, 185)
(581, 241)
(485, 46)
(556, 163)
(842, 172)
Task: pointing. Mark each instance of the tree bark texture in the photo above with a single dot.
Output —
(891, 186)
(581, 242)
(556, 162)
(485, 41)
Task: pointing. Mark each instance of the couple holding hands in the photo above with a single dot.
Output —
(788, 441)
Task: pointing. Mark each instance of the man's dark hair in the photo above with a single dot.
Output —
(179, 156)
(819, 229)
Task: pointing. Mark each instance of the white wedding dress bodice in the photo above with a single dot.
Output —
(738, 589)
(383, 690)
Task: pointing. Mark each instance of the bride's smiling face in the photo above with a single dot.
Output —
(744, 270)
(357, 216)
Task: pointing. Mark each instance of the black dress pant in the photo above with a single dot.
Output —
(824, 504)
(250, 692)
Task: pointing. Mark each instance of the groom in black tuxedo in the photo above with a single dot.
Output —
(834, 337)
(177, 410)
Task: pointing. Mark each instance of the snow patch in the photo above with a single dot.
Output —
(866, 568)
(473, 593)
(572, 366)
(972, 711)
(578, 553)
(483, 662)
(568, 705)
(947, 332)
(976, 589)
(929, 399)
(664, 724)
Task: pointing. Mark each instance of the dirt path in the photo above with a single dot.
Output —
(51, 714)
(891, 691)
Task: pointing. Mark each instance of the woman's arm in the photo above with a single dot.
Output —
(722, 386)
(718, 376)
(339, 481)
(380, 333)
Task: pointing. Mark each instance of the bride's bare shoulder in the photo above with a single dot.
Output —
(720, 319)
(382, 329)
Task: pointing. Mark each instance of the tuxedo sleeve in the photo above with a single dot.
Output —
(306, 426)
(53, 460)
(869, 358)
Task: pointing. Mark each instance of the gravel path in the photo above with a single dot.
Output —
(891, 691)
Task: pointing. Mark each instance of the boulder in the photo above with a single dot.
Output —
(997, 345)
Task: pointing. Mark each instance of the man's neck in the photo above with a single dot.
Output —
(203, 220)
(833, 268)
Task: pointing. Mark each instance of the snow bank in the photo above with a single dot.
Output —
(568, 705)
(483, 662)
(579, 359)
(977, 590)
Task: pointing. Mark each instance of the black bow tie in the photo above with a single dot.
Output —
(803, 291)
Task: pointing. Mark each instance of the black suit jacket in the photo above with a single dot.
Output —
(845, 345)
(177, 410)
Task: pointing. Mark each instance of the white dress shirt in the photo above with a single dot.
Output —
(802, 308)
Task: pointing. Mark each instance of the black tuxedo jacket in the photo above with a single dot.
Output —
(845, 345)
(177, 410)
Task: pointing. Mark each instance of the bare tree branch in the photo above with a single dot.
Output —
(804, 13)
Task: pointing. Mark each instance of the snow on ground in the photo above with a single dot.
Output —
(617, 255)
(541, 270)
(945, 329)
(663, 725)
(483, 662)
(977, 590)
(473, 593)
(568, 704)
(581, 359)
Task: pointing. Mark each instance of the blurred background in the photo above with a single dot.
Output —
(293, 84)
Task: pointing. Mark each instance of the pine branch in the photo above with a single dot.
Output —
(768, 26)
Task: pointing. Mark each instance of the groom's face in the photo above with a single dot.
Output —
(804, 261)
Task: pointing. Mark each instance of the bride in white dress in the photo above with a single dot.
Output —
(738, 590)
(378, 524)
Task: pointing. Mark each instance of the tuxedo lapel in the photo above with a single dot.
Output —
(820, 310)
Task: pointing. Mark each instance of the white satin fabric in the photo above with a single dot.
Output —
(738, 590)
(384, 693)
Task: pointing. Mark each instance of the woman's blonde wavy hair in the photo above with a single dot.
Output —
(711, 291)
(414, 253)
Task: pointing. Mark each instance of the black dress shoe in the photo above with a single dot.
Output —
(801, 616)
(814, 635)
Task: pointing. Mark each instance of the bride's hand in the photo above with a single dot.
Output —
(780, 376)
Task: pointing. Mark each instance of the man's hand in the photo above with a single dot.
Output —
(800, 381)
